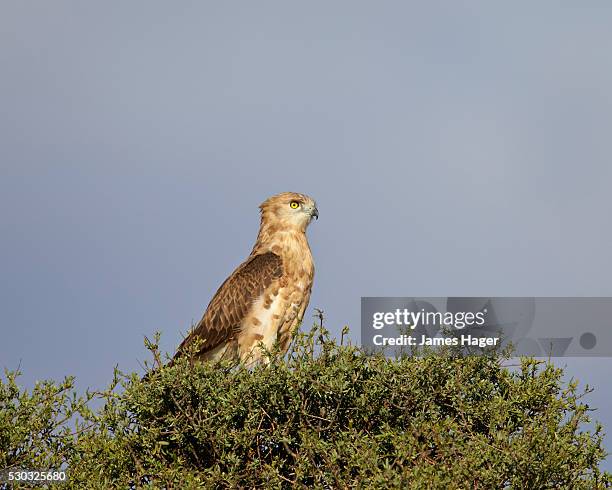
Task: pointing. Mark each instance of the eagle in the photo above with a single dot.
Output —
(264, 299)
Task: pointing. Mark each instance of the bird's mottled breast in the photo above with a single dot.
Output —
(298, 266)
(282, 305)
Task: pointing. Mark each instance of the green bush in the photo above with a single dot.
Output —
(325, 416)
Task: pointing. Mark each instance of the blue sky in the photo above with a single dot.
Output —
(454, 148)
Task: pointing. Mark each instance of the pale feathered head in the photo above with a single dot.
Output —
(289, 210)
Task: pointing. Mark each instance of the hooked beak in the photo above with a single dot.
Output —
(314, 213)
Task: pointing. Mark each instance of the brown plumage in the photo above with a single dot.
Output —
(264, 299)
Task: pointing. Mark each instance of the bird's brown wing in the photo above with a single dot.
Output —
(232, 301)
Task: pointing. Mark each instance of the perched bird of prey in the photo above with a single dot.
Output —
(264, 299)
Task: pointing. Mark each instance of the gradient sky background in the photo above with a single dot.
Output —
(454, 148)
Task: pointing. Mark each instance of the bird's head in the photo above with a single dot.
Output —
(289, 210)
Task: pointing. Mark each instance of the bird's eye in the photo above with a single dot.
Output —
(294, 204)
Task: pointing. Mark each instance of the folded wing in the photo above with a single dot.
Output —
(232, 302)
